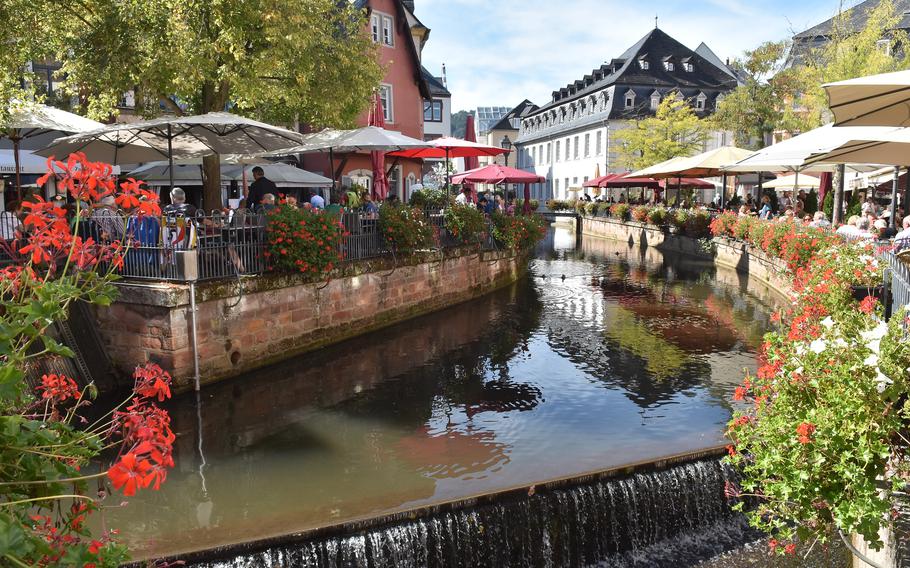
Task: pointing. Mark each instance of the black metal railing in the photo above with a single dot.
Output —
(899, 282)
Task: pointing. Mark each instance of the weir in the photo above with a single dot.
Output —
(669, 513)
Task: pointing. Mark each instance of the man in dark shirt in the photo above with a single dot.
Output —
(260, 186)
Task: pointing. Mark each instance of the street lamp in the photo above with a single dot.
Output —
(506, 145)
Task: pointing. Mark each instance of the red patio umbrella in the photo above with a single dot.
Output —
(448, 147)
(596, 182)
(693, 183)
(380, 183)
(496, 174)
(471, 162)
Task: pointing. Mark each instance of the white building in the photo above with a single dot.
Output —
(571, 138)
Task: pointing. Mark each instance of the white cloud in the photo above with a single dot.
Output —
(499, 52)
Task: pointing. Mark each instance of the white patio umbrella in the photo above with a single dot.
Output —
(283, 175)
(177, 137)
(37, 123)
(875, 100)
(794, 181)
(189, 172)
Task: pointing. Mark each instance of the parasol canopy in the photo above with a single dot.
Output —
(496, 173)
(875, 100)
(794, 181)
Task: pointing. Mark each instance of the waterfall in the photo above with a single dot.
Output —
(673, 517)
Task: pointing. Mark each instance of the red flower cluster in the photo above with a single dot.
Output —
(304, 240)
(867, 306)
(58, 388)
(805, 431)
(147, 439)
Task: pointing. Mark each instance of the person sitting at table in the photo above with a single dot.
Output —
(902, 239)
(268, 203)
(260, 186)
(369, 206)
(334, 207)
(9, 221)
(291, 201)
(316, 200)
(107, 223)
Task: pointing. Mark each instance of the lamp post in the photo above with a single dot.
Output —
(506, 145)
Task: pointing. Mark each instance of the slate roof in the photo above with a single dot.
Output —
(858, 16)
(655, 47)
(437, 89)
(511, 120)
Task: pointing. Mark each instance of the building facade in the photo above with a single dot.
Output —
(400, 37)
(570, 139)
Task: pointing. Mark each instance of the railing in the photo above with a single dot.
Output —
(217, 246)
(900, 282)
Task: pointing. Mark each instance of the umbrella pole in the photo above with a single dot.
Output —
(897, 174)
(16, 164)
(906, 200)
(723, 193)
(170, 156)
(332, 172)
(448, 174)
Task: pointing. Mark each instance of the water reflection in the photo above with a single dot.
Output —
(605, 354)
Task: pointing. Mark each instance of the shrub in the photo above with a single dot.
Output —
(603, 209)
(518, 232)
(620, 211)
(743, 228)
(657, 216)
(404, 228)
(590, 208)
(724, 224)
(559, 205)
(465, 223)
(431, 199)
(679, 219)
(304, 240)
(697, 225)
(640, 213)
(519, 204)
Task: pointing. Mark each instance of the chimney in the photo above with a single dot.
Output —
(409, 4)
(445, 80)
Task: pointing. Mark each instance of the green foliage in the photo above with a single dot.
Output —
(518, 232)
(828, 204)
(465, 223)
(679, 219)
(620, 211)
(674, 131)
(657, 216)
(697, 224)
(640, 213)
(431, 199)
(811, 202)
(849, 53)
(304, 240)
(459, 123)
(590, 207)
(519, 204)
(753, 111)
(405, 228)
(854, 205)
(560, 205)
(603, 209)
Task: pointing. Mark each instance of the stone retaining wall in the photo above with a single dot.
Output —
(245, 324)
(726, 252)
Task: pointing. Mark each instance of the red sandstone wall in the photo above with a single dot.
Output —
(276, 318)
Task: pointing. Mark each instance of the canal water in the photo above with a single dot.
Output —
(605, 354)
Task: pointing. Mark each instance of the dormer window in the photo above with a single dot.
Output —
(688, 67)
(643, 63)
(668, 65)
(630, 99)
(700, 101)
(655, 100)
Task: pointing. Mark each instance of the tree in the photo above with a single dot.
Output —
(276, 60)
(878, 47)
(674, 131)
(752, 111)
(459, 123)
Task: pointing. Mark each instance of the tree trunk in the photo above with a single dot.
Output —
(838, 182)
(211, 187)
(212, 100)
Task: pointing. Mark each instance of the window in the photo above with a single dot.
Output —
(568, 149)
(388, 34)
(556, 185)
(655, 100)
(432, 111)
(557, 150)
(884, 45)
(385, 95)
(597, 143)
(567, 185)
(643, 64)
(548, 152)
(586, 179)
(587, 146)
(688, 67)
(575, 182)
(668, 65)
(382, 29)
(575, 154)
(630, 99)
(375, 24)
(700, 101)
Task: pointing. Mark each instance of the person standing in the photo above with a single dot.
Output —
(261, 185)
(317, 201)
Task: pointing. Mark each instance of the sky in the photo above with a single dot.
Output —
(500, 52)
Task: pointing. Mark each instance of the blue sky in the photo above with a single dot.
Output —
(499, 52)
